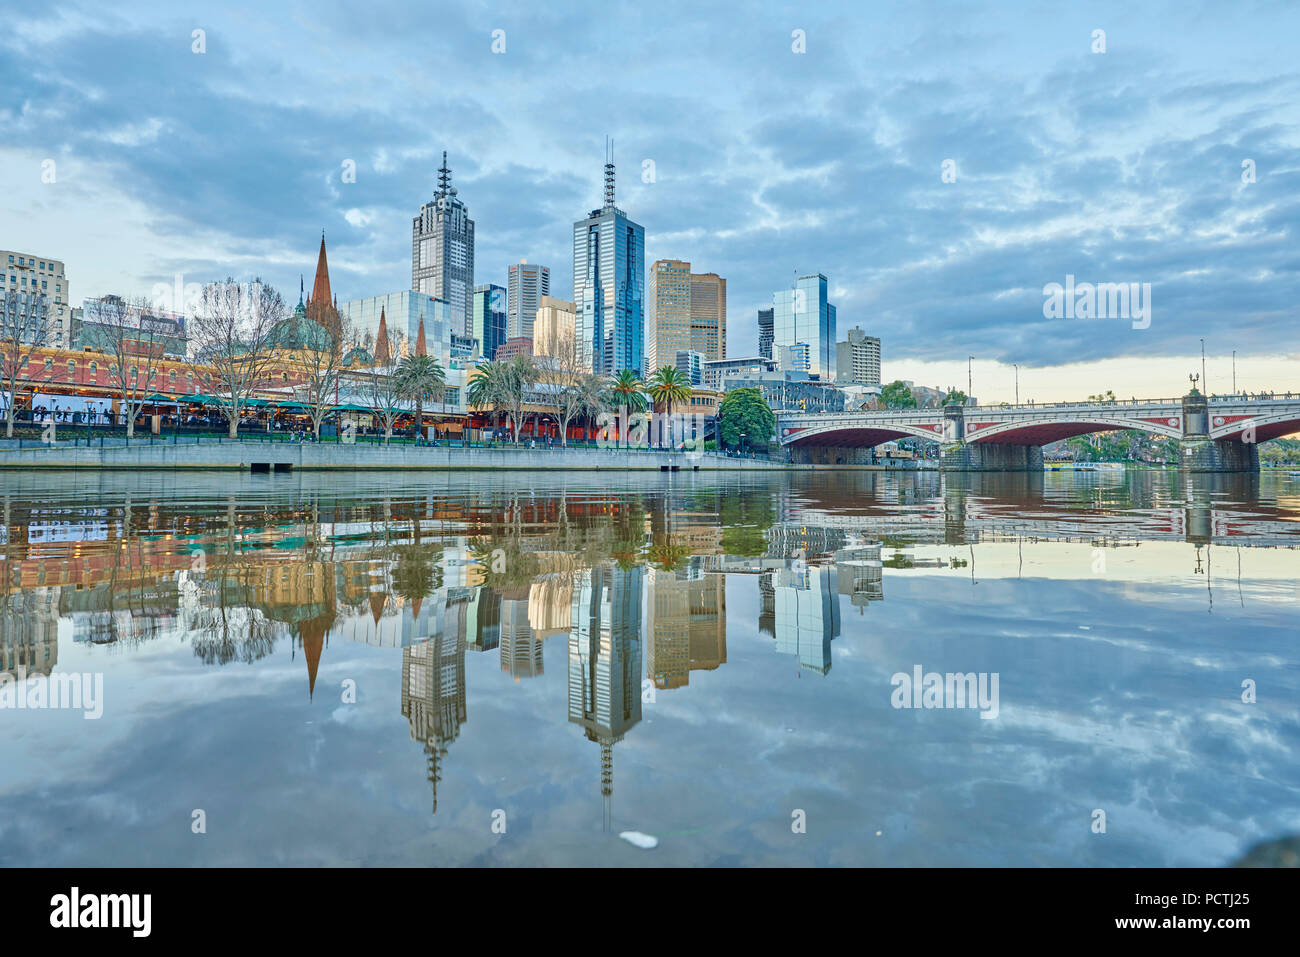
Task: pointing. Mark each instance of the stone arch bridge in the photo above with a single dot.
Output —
(1215, 435)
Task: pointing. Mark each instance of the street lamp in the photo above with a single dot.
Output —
(1206, 390)
(1234, 371)
(1017, 368)
(969, 389)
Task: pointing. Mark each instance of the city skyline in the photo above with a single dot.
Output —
(937, 269)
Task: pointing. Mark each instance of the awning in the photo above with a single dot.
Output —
(353, 408)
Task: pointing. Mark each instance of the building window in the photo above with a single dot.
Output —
(49, 365)
(94, 368)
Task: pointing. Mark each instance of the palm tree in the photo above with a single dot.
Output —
(420, 378)
(484, 390)
(668, 385)
(593, 399)
(627, 389)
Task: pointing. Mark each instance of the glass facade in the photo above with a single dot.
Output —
(489, 321)
(608, 289)
(404, 312)
(802, 314)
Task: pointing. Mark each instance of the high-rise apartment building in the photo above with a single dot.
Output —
(528, 283)
(802, 314)
(685, 312)
(489, 319)
(858, 359)
(442, 251)
(29, 278)
(609, 285)
(765, 333)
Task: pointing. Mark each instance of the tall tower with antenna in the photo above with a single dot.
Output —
(609, 283)
(442, 252)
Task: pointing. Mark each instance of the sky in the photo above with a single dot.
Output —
(941, 164)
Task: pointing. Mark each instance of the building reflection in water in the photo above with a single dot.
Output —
(605, 662)
(234, 581)
(686, 622)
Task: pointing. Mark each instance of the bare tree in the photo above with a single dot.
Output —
(322, 363)
(134, 353)
(232, 331)
(517, 387)
(24, 330)
(564, 370)
(384, 389)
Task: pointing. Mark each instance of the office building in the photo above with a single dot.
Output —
(404, 313)
(765, 333)
(715, 371)
(803, 314)
(685, 312)
(609, 285)
(555, 329)
(489, 321)
(442, 251)
(709, 315)
(528, 283)
(858, 359)
(691, 364)
(30, 277)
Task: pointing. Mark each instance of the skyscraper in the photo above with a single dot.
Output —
(709, 315)
(765, 333)
(489, 319)
(528, 283)
(442, 251)
(802, 314)
(668, 313)
(685, 312)
(609, 285)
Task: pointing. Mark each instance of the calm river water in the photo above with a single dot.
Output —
(517, 669)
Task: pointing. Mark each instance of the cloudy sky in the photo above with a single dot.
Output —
(1122, 166)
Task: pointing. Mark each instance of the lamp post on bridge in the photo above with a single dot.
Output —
(1017, 368)
(1234, 371)
(969, 389)
(1204, 381)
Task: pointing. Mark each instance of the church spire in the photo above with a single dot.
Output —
(383, 353)
(320, 290)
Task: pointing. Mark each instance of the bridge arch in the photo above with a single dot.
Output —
(1053, 427)
(1233, 425)
(867, 435)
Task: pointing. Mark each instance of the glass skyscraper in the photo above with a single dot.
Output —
(609, 285)
(489, 320)
(802, 314)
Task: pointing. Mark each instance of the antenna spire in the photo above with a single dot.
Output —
(609, 173)
(444, 176)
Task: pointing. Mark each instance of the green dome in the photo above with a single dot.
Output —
(299, 332)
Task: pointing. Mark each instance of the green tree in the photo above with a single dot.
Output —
(627, 389)
(420, 378)
(955, 397)
(668, 385)
(744, 412)
(896, 395)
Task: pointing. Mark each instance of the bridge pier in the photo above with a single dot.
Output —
(1197, 452)
(829, 455)
(1217, 455)
(990, 457)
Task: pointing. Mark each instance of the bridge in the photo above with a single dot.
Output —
(1219, 434)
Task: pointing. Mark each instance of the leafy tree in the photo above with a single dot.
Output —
(627, 389)
(745, 412)
(955, 397)
(419, 378)
(896, 395)
(668, 385)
